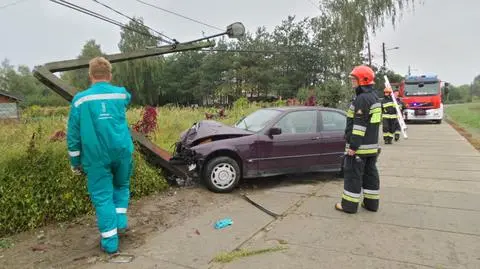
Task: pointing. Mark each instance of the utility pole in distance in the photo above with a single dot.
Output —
(369, 55)
(384, 56)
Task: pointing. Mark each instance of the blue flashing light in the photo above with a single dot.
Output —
(425, 77)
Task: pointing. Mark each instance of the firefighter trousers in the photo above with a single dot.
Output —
(360, 173)
(389, 127)
(397, 130)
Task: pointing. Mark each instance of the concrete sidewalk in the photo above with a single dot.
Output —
(429, 218)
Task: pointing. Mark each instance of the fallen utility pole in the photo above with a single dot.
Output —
(154, 154)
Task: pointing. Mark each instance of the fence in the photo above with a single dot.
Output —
(8, 111)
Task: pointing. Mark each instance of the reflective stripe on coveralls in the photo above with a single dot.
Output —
(98, 138)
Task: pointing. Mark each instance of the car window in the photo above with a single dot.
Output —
(257, 120)
(298, 122)
(333, 121)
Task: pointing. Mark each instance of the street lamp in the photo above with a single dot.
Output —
(385, 55)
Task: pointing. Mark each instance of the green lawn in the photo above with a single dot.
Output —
(466, 115)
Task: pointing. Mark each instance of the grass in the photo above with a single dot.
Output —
(36, 184)
(236, 254)
(467, 115)
(465, 118)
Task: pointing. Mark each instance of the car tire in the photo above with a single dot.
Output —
(438, 121)
(221, 174)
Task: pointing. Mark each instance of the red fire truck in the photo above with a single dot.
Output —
(422, 96)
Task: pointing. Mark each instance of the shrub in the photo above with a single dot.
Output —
(37, 187)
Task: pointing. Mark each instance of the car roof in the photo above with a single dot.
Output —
(301, 108)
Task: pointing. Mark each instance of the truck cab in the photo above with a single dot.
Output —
(422, 96)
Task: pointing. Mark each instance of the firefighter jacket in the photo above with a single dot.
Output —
(389, 110)
(363, 122)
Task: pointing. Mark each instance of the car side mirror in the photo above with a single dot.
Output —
(274, 131)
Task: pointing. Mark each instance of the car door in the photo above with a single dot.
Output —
(295, 149)
(332, 131)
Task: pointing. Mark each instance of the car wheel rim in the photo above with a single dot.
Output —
(223, 175)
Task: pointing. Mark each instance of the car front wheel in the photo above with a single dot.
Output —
(221, 174)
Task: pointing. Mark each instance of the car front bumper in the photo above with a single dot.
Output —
(188, 158)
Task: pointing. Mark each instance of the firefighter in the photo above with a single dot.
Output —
(389, 115)
(361, 134)
(99, 144)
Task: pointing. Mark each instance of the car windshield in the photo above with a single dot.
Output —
(257, 120)
(414, 89)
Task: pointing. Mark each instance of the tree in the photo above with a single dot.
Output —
(79, 78)
(140, 76)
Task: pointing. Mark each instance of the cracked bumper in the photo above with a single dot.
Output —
(188, 158)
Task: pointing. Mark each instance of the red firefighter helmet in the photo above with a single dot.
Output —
(364, 75)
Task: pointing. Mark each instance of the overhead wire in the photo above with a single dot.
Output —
(132, 19)
(104, 18)
(180, 15)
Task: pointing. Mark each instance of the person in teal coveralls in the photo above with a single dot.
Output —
(99, 144)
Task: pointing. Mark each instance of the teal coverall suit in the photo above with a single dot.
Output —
(99, 142)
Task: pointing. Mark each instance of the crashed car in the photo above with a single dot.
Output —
(268, 142)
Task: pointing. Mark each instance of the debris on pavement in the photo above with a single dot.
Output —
(121, 258)
(273, 214)
(223, 223)
(241, 253)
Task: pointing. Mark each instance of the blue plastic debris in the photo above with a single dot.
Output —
(223, 223)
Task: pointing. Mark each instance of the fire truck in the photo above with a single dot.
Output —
(422, 97)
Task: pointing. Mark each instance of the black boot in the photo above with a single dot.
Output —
(397, 137)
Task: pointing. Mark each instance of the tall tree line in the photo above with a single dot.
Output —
(297, 54)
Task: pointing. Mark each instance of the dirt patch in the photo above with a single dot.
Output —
(475, 141)
(76, 244)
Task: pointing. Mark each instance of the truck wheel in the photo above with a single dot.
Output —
(221, 174)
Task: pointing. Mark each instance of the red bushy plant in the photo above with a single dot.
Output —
(148, 123)
(58, 136)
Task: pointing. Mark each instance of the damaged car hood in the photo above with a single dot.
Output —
(210, 129)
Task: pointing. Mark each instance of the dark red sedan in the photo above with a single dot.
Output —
(268, 142)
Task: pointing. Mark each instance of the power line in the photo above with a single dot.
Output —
(132, 19)
(104, 18)
(12, 4)
(180, 15)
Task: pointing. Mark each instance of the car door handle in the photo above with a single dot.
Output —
(316, 138)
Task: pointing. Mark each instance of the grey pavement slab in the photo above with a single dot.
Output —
(405, 215)
(277, 202)
(431, 184)
(406, 195)
(142, 262)
(471, 165)
(355, 238)
(422, 174)
(434, 160)
(299, 257)
(293, 185)
(181, 245)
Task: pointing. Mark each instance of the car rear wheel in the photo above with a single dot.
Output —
(221, 174)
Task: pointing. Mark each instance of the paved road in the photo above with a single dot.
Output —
(429, 218)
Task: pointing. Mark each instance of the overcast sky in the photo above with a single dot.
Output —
(441, 36)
